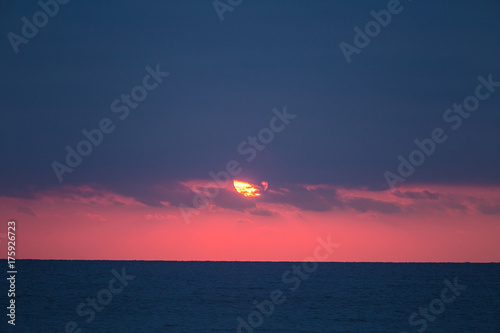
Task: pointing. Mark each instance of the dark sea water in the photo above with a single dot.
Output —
(220, 296)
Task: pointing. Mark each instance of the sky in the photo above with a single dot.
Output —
(374, 124)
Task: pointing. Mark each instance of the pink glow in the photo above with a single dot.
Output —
(429, 223)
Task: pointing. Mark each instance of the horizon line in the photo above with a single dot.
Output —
(277, 261)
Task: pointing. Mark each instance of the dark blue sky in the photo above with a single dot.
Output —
(226, 77)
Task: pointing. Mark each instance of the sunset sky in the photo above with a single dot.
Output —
(267, 97)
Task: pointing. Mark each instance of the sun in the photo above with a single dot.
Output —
(249, 190)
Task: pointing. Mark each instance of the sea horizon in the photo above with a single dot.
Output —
(271, 261)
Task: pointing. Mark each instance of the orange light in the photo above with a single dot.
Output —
(246, 189)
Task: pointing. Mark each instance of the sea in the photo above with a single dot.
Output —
(168, 296)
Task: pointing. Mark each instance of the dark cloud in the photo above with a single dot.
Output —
(489, 209)
(263, 212)
(318, 199)
(154, 194)
(454, 204)
(77, 192)
(366, 204)
(233, 200)
(425, 194)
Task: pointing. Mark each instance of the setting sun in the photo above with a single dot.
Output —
(246, 189)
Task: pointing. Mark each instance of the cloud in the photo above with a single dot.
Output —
(311, 198)
(366, 204)
(158, 216)
(27, 211)
(299, 197)
(90, 194)
(454, 204)
(489, 209)
(263, 212)
(232, 200)
(156, 194)
(425, 194)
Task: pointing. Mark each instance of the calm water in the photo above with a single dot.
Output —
(211, 296)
